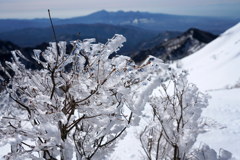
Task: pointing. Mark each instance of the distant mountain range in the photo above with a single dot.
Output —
(155, 21)
(31, 37)
(150, 21)
(176, 48)
(143, 30)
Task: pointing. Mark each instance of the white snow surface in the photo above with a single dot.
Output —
(212, 69)
(224, 108)
(217, 64)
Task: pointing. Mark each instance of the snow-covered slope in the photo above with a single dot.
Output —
(212, 69)
(217, 64)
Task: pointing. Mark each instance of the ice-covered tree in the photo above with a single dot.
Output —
(176, 122)
(176, 109)
(78, 104)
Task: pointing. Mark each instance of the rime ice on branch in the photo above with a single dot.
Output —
(78, 104)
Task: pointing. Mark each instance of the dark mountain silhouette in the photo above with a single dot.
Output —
(5, 50)
(5, 53)
(161, 37)
(179, 47)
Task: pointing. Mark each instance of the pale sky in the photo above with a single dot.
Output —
(74, 8)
